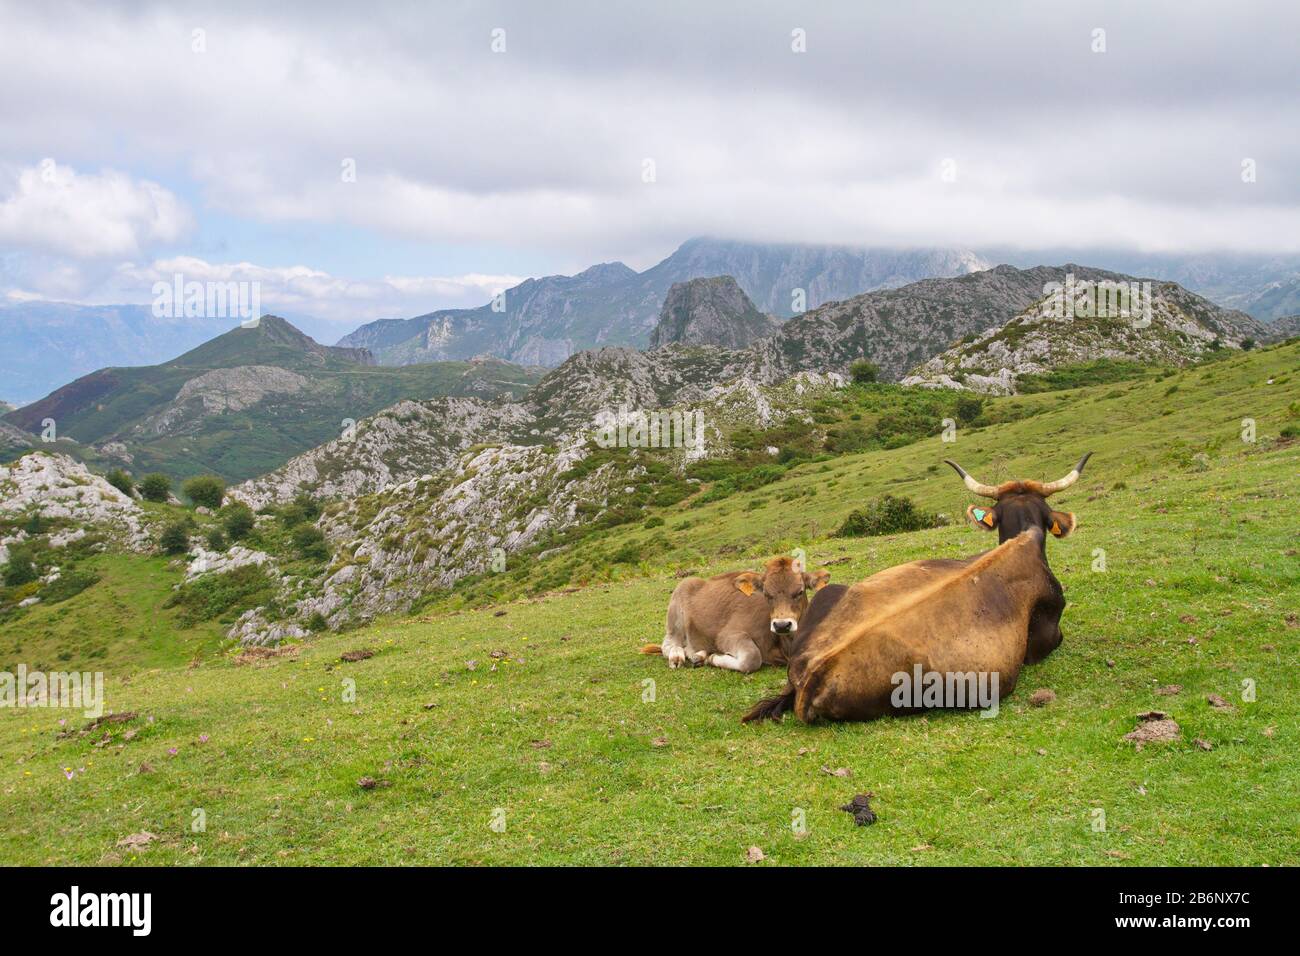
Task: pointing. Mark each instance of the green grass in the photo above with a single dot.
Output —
(1199, 534)
(120, 621)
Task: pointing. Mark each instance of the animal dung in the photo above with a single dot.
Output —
(361, 654)
(1042, 697)
(860, 807)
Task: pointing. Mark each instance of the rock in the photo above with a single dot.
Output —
(56, 486)
(711, 311)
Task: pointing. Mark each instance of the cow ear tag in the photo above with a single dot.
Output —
(985, 516)
(745, 587)
(1056, 527)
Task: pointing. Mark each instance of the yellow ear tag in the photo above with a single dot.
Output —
(820, 584)
(745, 587)
(1056, 528)
(988, 518)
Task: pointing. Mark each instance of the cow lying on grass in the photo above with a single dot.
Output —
(981, 616)
(738, 621)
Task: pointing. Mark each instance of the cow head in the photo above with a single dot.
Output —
(1021, 505)
(785, 585)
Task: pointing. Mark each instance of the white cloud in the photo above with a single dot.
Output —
(542, 147)
(301, 289)
(53, 208)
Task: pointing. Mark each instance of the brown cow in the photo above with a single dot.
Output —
(738, 621)
(983, 616)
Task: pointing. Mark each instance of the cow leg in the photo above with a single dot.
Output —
(674, 649)
(744, 656)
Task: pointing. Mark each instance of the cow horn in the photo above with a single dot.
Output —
(1068, 480)
(988, 491)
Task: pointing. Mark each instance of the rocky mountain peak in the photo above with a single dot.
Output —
(710, 311)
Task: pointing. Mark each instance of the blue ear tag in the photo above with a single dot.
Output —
(979, 513)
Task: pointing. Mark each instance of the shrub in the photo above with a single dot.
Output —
(309, 542)
(864, 373)
(237, 518)
(888, 515)
(216, 540)
(120, 480)
(969, 409)
(155, 487)
(303, 508)
(175, 538)
(205, 490)
(228, 594)
(69, 584)
(21, 569)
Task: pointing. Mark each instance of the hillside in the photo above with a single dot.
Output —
(1287, 327)
(519, 695)
(712, 311)
(901, 328)
(1177, 329)
(244, 402)
(546, 320)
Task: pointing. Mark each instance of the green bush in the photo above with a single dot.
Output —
(155, 487)
(225, 595)
(68, 584)
(205, 490)
(969, 409)
(120, 480)
(21, 569)
(238, 519)
(309, 542)
(216, 540)
(303, 508)
(864, 373)
(888, 515)
(175, 538)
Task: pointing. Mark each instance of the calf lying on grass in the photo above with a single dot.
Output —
(740, 620)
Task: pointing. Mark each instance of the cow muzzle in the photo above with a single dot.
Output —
(784, 625)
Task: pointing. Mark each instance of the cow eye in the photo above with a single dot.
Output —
(797, 594)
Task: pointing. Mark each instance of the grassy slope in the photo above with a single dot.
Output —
(120, 620)
(1203, 550)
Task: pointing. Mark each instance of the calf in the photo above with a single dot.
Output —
(738, 621)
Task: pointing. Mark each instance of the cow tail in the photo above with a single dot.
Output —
(771, 708)
(651, 649)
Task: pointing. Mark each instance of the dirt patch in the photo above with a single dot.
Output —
(860, 807)
(253, 656)
(1217, 702)
(1154, 726)
(1042, 697)
(1168, 690)
(360, 654)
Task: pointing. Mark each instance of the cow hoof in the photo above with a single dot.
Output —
(699, 658)
(676, 658)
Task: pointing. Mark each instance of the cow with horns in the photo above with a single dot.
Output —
(989, 614)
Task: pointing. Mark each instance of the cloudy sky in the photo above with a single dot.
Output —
(387, 159)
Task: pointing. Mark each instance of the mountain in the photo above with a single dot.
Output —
(1264, 286)
(544, 321)
(1279, 330)
(47, 344)
(1179, 328)
(711, 311)
(244, 402)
